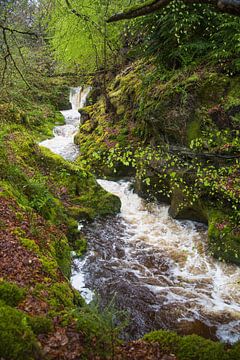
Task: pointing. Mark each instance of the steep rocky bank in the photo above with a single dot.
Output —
(193, 116)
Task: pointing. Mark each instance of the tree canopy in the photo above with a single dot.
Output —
(78, 30)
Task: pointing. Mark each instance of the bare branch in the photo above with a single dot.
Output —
(9, 55)
(18, 31)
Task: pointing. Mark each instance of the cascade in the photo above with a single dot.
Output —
(155, 267)
(63, 141)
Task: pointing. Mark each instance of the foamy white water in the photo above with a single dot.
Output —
(63, 141)
(200, 286)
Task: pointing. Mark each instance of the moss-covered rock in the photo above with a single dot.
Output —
(194, 347)
(17, 341)
(191, 347)
(224, 237)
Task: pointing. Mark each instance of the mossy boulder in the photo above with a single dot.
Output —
(17, 340)
(190, 347)
(84, 112)
(224, 237)
(223, 233)
(194, 347)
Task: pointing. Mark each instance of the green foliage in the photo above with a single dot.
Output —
(221, 183)
(61, 296)
(80, 246)
(30, 244)
(234, 352)
(80, 39)
(63, 255)
(17, 341)
(182, 34)
(101, 327)
(11, 293)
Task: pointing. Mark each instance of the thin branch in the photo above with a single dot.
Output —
(5, 28)
(88, 20)
(19, 49)
(82, 16)
(9, 55)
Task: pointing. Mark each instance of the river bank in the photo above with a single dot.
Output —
(58, 323)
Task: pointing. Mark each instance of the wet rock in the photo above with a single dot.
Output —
(197, 327)
(84, 115)
(181, 210)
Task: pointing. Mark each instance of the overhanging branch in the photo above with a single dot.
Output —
(226, 6)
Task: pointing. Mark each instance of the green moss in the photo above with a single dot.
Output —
(182, 208)
(30, 245)
(40, 324)
(61, 296)
(194, 347)
(11, 294)
(191, 347)
(63, 255)
(17, 341)
(224, 243)
(168, 339)
(193, 130)
(234, 352)
(50, 265)
(80, 246)
(109, 204)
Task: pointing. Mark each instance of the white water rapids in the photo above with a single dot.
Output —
(167, 261)
(157, 267)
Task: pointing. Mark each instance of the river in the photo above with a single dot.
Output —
(156, 268)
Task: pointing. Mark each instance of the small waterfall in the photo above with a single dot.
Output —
(78, 97)
(75, 97)
(63, 141)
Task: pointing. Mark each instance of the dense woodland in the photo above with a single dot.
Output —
(163, 110)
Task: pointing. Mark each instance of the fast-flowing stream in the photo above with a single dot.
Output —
(159, 271)
(63, 141)
(156, 268)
